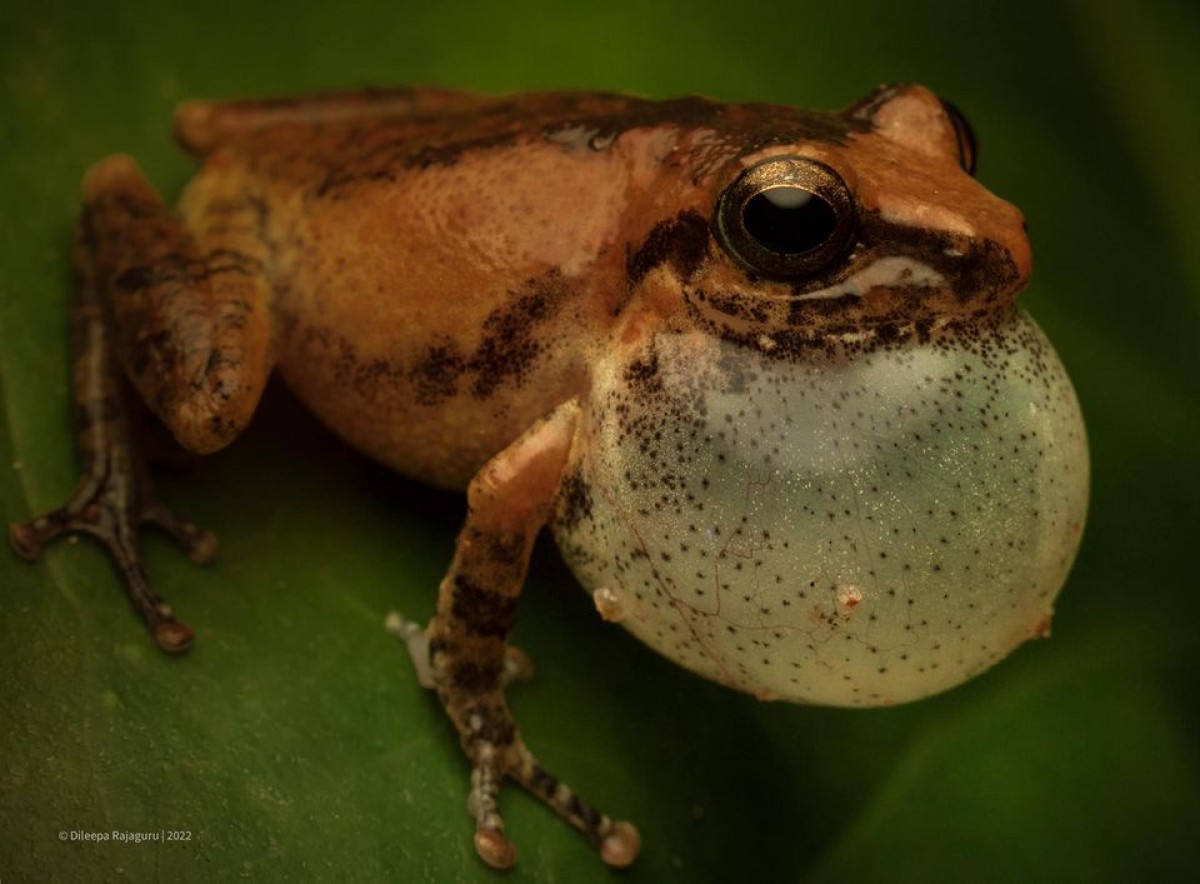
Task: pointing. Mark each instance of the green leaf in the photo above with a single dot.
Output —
(293, 741)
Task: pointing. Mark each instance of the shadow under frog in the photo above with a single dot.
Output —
(758, 369)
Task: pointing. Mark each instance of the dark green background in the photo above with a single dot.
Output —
(293, 741)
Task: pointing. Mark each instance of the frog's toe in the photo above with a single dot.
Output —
(497, 751)
(174, 636)
(491, 843)
(518, 666)
(27, 539)
(415, 640)
(200, 545)
(617, 841)
(621, 846)
(112, 507)
(495, 849)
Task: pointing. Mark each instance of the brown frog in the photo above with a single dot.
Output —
(759, 369)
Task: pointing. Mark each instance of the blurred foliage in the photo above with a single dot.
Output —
(293, 742)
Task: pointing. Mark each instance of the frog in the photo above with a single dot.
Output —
(760, 370)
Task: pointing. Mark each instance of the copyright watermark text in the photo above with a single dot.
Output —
(125, 835)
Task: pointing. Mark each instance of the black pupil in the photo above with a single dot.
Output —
(789, 220)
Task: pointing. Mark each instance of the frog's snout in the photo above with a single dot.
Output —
(995, 263)
(999, 228)
(1014, 240)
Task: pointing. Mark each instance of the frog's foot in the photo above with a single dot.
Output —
(496, 751)
(464, 654)
(474, 699)
(112, 504)
(617, 841)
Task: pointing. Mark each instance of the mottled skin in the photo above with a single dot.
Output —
(529, 297)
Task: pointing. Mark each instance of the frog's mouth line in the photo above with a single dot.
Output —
(889, 301)
(894, 256)
(891, 273)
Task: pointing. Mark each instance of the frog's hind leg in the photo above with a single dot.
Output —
(188, 322)
(468, 660)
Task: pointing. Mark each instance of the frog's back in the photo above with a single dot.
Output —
(444, 263)
(426, 118)
(447, 263)
(421, 126)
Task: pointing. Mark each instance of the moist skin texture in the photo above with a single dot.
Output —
(855, 475)
(844, 528)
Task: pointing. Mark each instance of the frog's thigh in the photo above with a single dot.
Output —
(190, 305)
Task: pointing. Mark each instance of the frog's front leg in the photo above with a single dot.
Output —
(469, 660)
(186, 316)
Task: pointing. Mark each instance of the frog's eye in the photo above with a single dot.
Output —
(968, 145)
(786, 217)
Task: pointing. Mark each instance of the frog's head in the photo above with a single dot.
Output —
(844, 469)
(865, 223)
